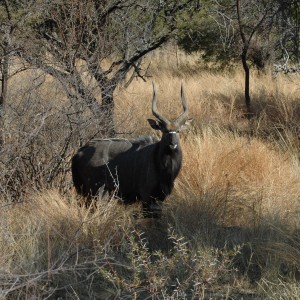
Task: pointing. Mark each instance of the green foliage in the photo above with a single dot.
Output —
(203, 33)
(271, 29)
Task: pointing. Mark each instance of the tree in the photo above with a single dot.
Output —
(211, 31)
(6, 32)
(88, 48)
(215, 30)
(288, 27)
(253, 20)
(9, 27)
(91, 46)
(237, 30)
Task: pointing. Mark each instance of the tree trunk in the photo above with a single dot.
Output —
(244, 59)
(247, 82)
(5, 62)
(4, 80)
(108, 106)
(3, 96)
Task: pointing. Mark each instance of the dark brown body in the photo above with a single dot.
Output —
(137, 170)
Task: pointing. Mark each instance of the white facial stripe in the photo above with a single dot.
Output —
(173, 132)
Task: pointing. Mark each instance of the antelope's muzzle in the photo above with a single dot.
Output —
(173, 146)
(173, 142)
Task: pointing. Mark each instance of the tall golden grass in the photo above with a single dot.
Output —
(231, 224)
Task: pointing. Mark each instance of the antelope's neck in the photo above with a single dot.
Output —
(170, 161)
(169, 167)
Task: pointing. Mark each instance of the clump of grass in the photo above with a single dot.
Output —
(251, 175)
(231, 180)
(50, 235)
(280, 289)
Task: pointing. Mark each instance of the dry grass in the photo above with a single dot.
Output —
(251, 173)
(215, 99)
(238, 191)
(230, 230)
(50, 235)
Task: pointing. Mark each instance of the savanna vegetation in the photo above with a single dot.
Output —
(230, 229)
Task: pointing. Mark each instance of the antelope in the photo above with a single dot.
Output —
(139, 169)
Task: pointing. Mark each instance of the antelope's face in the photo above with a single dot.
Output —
(171, 139)
(170, 129)
(170, 133)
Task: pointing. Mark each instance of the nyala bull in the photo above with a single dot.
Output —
(140, 169)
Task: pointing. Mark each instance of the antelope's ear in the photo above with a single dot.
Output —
(186, 124)
(154, 124)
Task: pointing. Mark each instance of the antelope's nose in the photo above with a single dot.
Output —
(173, 140)
(173, 146)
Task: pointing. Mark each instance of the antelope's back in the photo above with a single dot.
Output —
(94, 163)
